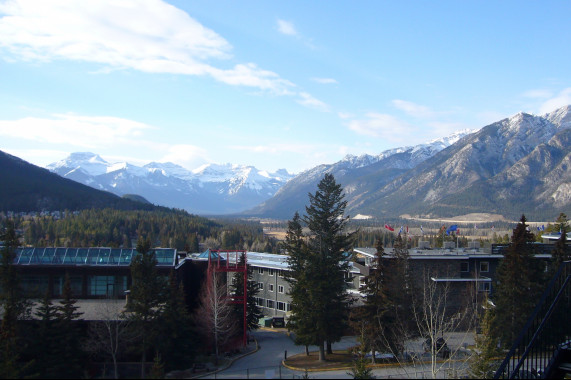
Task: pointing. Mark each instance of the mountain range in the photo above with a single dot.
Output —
(210, 189)
(26, 187)
(520, 164)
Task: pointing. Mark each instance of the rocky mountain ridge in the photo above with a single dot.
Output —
(514, 166)
(210, 189)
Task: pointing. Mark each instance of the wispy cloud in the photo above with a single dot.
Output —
(560, 100)
(90, 132)
(325, 80)
(307, 100)
(380, 125)
(413, 109)
(146, 35)
(538, 94)
(186, 155)
(287, 28)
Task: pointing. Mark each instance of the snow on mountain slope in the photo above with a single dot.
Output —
(213, 188)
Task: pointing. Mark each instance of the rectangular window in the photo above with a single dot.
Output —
(484, 266)
(281, 273)
(109, 286)
(260, 301)
(270, 304)
(76, 283)
(271, 287)
(260, 270)
(271, 272)
(281, 306)
(280, 289)
(261, 285)
(288, 307)
(35, 286)
(464, 267)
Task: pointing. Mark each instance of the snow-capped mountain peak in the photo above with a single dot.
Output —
(212, 188)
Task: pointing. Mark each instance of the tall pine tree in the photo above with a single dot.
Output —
(301, 317)
(323, 275)
(14, 307)
(146, 298)
(253, 311)
(561, 251)
(371, 318)
(70, 354)
(176, 329)
(519, 280)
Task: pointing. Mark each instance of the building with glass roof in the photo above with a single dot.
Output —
(97, 272)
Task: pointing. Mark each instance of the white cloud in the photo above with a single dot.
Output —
(146, 35)
(562, 99)
(380, 125)
(325, 80)
(287, 28)
(186, 155)
(311, 102)
(537, 94)
(413, 109)
(344, 115)
(90, 132)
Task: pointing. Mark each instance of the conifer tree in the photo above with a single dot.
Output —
(398, 319)
(253, 311)
(146, 297)
(13, 305)
(561, 251)
(69, 364)
(45, 345)
(177, 336)
(519, 279)
(484, 361)
(371, 318)
(326, 265)
(300, 320)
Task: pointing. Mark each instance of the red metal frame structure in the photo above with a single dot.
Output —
(214, 264)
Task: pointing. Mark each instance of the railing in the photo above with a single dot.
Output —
(547, 328)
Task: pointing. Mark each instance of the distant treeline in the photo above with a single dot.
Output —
(121, 228)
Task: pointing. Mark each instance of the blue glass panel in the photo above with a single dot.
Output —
(115, 256)
(81, 255)
(58, 256)
(93, 256)
(126, 256)
(103, 258)
(70, 256)
(25, 255)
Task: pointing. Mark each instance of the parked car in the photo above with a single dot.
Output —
(278, 322)
(440, 347)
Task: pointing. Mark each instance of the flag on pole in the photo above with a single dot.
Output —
(388, 227)
(421, 230)
(453, 227)
(407, 228)
(400, 231)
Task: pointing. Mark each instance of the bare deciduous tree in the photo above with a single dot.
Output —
(110, 333)
(215, 314)
(436, 320)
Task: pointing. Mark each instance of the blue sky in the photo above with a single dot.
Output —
(289, 84)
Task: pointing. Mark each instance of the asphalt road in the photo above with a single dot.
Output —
(266, 362)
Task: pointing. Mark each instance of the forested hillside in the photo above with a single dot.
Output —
(121, 228)
(26, 187)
